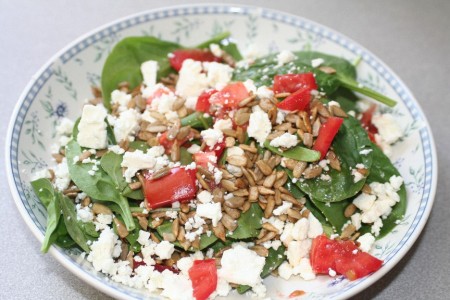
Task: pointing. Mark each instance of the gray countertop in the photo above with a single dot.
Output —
(412, 37)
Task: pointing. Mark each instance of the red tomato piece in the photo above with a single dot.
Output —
(327, 132)
(230, 95)
(158, 93)
(298, 100)
(203, 104)
(203, 158)
(366, 122)
(217, 149)
(161, 268)
(203, 275)
(179, 185)
(179, 56)
(341, 257)
(168, 143)
(290, 83)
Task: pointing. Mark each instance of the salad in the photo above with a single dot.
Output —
(196, 172)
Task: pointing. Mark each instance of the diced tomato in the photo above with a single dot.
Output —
(366, 122)
(137, 264)
(203, 104)
(179, 56)
(217, 149)
(298, 100)
(327, 132)
(203, 158)
(179, 185)
(341, 257)
(203, 275)
(290, 83)
(161, 268)
(230, 95)
(168, 143)
(158, 93)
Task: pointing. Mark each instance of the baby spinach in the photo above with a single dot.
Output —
(185, 156)
(74, 227)
(347, 144)
(124, 62)
(249, 224)
(110, 133)
(264, 69)
(104, 185)
(382, 170)
(197, 120)
(346, 99)
(139, 145)
(46, 193)
(298, 153)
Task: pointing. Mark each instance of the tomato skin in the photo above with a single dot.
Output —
(179, 56)
(218, 149)
(203, 275)
(168, 143)
(203, 104)
(230, 95)
(158, 93)
(298, 100)
(179, 185)
(366, 122)
(161, 268)
(343, 257)
(327, 132)
(290, 83)
(202, 158)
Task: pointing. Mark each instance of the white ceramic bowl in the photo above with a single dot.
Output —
(60, 87)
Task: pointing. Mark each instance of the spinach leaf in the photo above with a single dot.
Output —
(264, 69)
(133, 194)
(382, 170)
(139, 145)
(46, 193)
(75, 129)
(73, 226)
(197, 120)
(124, 62)
(297, 153)
(347, 144)
(99, 186)
(273, 261)
(346, 99)
(334, 212)
(61, 237)
(110, 134)
(249, 224)
(185, 157)
(111, 164)
(310, 205)
(222, 39)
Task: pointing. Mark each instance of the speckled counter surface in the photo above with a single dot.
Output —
(412, 37)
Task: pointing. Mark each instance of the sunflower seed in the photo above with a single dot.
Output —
(218, 194)
(246, 101)
(237, 160)
(228, 222)
(248, 148)
(334, 161)
(241, 193)
(240, 135)
(270, 227)
(202, 182)
(299, 167)
(327, 69)
(312, 171)
(307, 139)
(338, 112)
(98, 208)
(367, 189)
(270, 235)
(269, 180)
(269, 207)
(260, 250)
(229, 132)
(232, 212)
(282, 95)
(280, 182)
(160, 173)
(230, 141)
(348, 231)
(294, 213)
(246, 206)
(265, 191)
(121, 228)
(235, 202)
(219, 231)
(135, 185)
(264, 167)
(228, 185)
(349, 210)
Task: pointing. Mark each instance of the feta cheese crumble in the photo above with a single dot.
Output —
(259, 126)
(286, 140)
(92, 127)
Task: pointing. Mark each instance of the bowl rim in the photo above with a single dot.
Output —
(238, 9)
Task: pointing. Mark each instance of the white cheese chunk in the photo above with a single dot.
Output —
(285, 57)
(317, 62)
(241, 266)
(286, 140)
(164, 249)
(282, 209)
(212, 136)
(149, 70)
(218, 75)
(192, 80)
(387, 127)
(64, 127)
(223, 124)
(92, 127)
(300, 229)
(315, 227)
(127, 125)
(366, 242)
(138, 160)
(259, 126)
(120, 98)
(264, 92)
(62, 177)
(210, 211)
